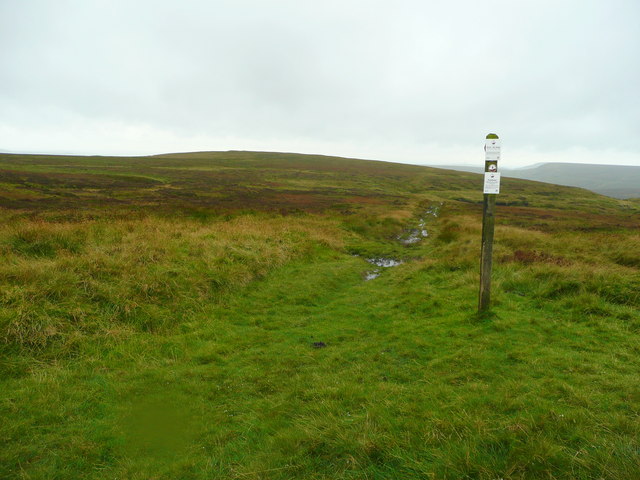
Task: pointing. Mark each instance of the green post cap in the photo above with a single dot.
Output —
(492, 135)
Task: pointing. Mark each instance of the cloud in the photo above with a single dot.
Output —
(401, 81)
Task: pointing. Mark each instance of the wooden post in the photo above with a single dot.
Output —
(492, 155)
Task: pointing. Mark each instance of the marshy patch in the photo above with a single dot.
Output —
(414, 235)
(382, 263)
(419, 232)
(407, 238)
(372, 275)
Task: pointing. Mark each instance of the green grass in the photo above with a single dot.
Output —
(221, 339)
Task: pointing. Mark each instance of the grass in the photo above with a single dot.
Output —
(225, 330)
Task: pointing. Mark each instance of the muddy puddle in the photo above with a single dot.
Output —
(409, 237)
(382, 263)
(414, 235)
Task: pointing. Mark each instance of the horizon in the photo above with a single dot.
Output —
(408, 83)
(478, 164)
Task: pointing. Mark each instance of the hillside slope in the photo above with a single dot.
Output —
(618, 181)
(208, 315)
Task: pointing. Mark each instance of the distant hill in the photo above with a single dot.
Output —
(616, 181)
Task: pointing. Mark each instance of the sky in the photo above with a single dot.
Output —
(412, 81)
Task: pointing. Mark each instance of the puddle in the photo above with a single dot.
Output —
(380, 262)
(409, 237)
(384, 262)
(372, 275)
(434, 209)
(414, 235)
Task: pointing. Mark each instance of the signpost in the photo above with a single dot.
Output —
(491, 189)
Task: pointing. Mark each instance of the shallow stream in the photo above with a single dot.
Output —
(409, 237)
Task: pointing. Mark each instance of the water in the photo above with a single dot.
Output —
(414, 235)
(408, 238)
(372, 275)
(434, 210)
(380, 262)
(384, 262)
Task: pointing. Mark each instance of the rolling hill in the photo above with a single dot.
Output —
(618, 181)
(256, 315)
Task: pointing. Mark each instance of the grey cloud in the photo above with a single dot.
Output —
(409, 75)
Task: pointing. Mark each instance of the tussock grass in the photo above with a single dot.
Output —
(64, 280)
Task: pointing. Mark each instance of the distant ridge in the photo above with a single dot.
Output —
(618, 181)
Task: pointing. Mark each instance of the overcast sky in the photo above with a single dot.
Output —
(410, 81)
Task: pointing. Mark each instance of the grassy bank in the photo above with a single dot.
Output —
(209, 340)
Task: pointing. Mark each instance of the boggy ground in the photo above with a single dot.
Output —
(148, 335)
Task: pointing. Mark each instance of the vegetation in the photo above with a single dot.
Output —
(618, 181)
(206, 315)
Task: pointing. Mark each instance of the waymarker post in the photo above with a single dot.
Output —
(491, 189)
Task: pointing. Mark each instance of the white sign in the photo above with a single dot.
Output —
(491, 182)
(492, 145)
(492, 149)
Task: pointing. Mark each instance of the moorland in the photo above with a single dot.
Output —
(618, 181)
(208, 315)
